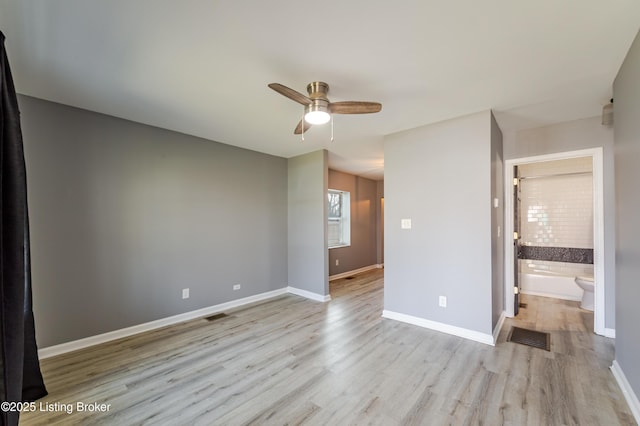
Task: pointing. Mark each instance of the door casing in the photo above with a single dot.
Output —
(598, 228)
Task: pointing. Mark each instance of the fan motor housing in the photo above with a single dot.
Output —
(318, 90)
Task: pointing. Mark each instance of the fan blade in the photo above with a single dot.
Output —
(290, 93)
(299, 129)
(354, 107)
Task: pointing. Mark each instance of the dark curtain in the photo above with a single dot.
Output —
(20, 377)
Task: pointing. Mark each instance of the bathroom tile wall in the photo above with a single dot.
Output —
(557, 211)
(543, 267)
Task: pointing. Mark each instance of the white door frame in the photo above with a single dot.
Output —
(598, 228)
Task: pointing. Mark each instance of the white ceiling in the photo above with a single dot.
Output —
(202, 67)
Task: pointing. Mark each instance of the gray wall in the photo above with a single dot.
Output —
(307, 247)
(572, 136)
(364, 224)
(440, 177)
(497, 224)
(124, 216)
(626, 91)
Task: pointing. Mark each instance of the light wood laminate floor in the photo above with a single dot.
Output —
(294, 361)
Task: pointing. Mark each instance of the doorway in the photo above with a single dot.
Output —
(511, 282)
(355, 225)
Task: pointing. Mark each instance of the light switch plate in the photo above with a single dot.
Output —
(405, 223)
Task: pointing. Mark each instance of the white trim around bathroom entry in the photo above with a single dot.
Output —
(598, 227)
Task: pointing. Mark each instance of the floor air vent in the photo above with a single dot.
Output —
(537, 339)
(216, 317)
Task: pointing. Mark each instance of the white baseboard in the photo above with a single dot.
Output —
(610, 332)
(309, 295)
(627, 390)
(552, 295)
(498, 327)
(152, 325)
(438, 326)
(355, 271)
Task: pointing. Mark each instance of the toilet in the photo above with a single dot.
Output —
(586, 284)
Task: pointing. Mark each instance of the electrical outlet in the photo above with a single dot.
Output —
(442, 301)
(185, 293)
(236, 287)
(337, 262)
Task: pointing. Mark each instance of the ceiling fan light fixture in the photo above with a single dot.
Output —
(317, 117)
(317, 113)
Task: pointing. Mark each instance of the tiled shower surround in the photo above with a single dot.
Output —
(556, 210)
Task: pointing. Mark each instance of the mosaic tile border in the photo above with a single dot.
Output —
(557, 254)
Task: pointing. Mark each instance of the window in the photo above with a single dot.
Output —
(338, 204)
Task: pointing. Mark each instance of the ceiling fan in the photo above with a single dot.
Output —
(318, 109)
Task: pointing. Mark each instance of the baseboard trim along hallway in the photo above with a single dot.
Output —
(354, 272)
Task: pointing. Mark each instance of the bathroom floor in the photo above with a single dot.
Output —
(550, 314)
